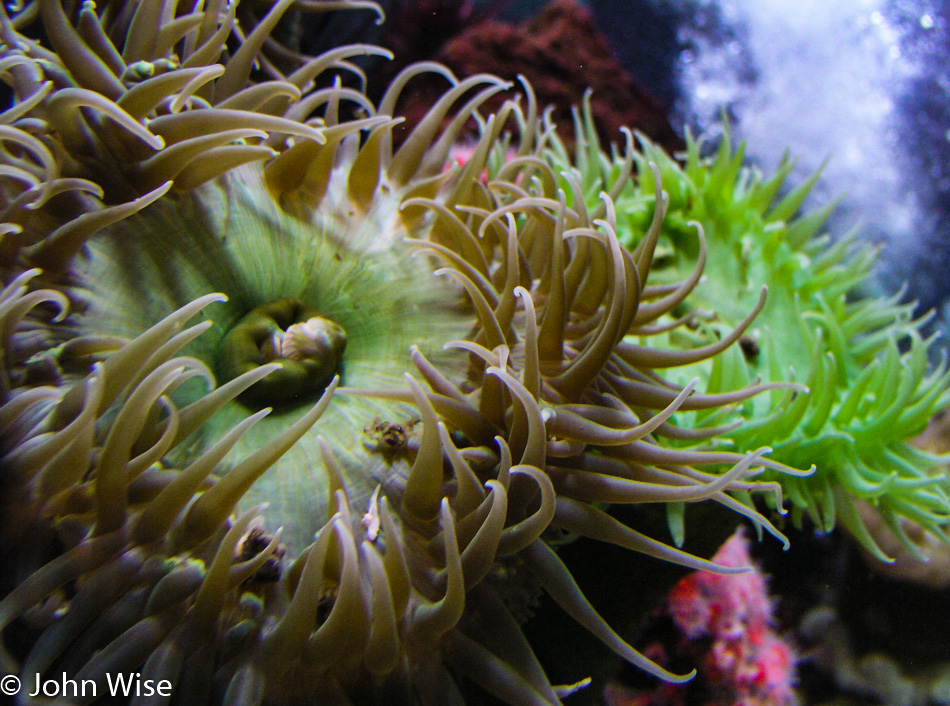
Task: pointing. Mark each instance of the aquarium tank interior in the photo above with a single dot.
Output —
(436, 352)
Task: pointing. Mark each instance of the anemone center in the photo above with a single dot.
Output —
(307, 346)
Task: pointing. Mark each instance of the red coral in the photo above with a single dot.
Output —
(689, 607)
(559, 50)
(563, 53)
(722, 625)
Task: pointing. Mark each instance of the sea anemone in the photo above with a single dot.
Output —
(863, 357)
(416, 369)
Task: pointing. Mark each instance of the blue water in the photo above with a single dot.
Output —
(864, 84)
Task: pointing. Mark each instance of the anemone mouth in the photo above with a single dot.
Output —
(307, 347)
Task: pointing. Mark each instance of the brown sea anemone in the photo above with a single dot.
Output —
(441, 353)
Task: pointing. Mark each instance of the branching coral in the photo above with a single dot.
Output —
(863, 358)
(450, 357)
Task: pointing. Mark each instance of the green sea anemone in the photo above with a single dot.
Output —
(429, 378)
(862, 357)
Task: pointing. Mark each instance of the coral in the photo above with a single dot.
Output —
(290, 414)
(723, 624)
(563, 54)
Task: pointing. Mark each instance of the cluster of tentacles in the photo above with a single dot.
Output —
(435, 479)
(865, 357)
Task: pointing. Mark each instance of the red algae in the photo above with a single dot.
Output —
(723, 627)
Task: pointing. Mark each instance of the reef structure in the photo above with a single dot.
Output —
(477, 41)
(416, 369)
(725, 624)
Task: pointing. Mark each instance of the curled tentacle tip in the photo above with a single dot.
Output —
(564, 690)
(63, 311)
(681, 678)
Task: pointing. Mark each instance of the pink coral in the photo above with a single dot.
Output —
(724, 626)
